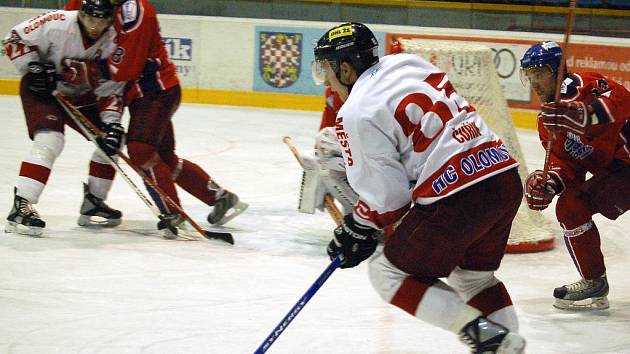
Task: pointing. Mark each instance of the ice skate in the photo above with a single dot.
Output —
(486, 337)
(170, 225)
(226, 206)
(583, 295)
(23, 218)
(94, 211)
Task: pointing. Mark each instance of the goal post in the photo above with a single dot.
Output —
(471, 70)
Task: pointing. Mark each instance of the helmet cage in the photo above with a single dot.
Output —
(97, 8)
(546, 54)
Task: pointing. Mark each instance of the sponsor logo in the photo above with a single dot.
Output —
(52, 117)
(280, 58)
(505, 62)
(602, 87)
(35, 68)
(118, 54)
(129, 11)
(342, 137)
(576, 148)
(342, 31)
(179, 48)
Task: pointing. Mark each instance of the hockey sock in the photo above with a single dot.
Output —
(428, 299)
(145, 156)
(35, 168)
(161, 175)
(100, 177)
(583, 244)
(496, 305)
(194, 180)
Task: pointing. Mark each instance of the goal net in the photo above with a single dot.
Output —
(471, 70)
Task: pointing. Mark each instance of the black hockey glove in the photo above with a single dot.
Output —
(354, 241)
(41, 77)
(113, 139)
(149, 80)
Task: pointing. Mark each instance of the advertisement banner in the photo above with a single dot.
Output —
(610, 61)
(283, 57)
(180, 50)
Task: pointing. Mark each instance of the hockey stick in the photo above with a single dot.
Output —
(329, 203)
(92, 132)
(559, 79)
(290, 316)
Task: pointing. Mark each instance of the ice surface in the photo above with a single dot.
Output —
(126, 290)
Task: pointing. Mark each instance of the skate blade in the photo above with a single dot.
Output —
(13, 227)
(233, 212)
(97, 221)
(590, 304)
(512, 344)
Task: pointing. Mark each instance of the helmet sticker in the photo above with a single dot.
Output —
(343, 31)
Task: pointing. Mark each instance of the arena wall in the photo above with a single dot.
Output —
(266, 63)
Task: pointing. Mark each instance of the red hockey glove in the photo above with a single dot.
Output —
(79, 72)
(539, 193)
(566, 116)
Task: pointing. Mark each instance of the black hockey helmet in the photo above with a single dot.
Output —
(350, 42)
(97, 8)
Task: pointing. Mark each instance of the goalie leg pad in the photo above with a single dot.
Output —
(311, 191)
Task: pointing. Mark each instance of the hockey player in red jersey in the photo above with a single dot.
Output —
(454, 194)
(589, 129)
(47, 50)
(153, 96)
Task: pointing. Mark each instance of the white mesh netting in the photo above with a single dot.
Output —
(471, 70)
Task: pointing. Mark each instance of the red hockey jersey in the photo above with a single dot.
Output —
(572, 155)
(140, 53)
(333, 105)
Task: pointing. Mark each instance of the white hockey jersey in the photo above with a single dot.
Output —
(54, 36)
(408, 137)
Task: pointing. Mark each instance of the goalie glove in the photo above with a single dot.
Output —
(572, 116)
(538, 192)
(354, 241)
(328, 150)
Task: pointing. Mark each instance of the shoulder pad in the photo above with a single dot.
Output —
(130, 13)
(570, 86)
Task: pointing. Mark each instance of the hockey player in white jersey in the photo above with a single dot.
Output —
(408, 140)
(47, 50)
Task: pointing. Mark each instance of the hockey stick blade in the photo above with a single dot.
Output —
(222, 236)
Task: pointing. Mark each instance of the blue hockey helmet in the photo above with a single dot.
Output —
(547, 53)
